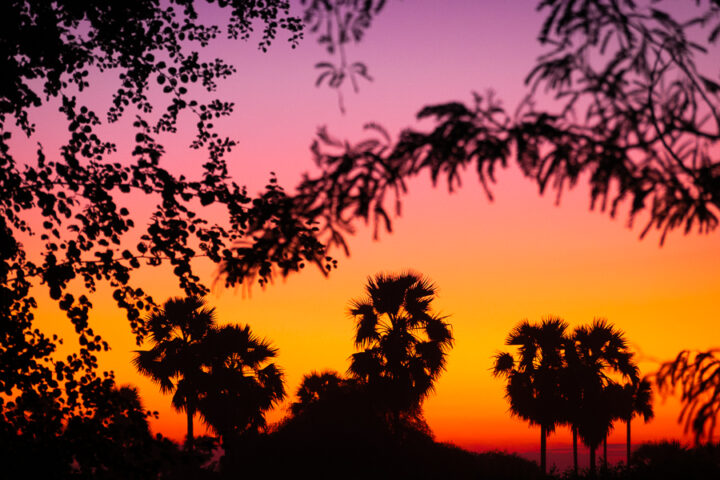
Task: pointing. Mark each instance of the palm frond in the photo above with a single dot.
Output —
(503, 365)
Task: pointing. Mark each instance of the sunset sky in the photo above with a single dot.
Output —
(495, 263)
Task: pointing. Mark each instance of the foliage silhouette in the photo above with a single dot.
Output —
(116, 442)
(637, 399)
(571, 381)
(402, 343)
(601, 351)
(561, 378)
(240, 383)
(343, 427)
(634, 115)
(178, 352)
(120, 432)
(317, 387)
(373, 419)
(111, 440)
(698, 375)
(534, 375)
(338, 429)
(72, 200)
(339, 23)
(84, 227)
(670, 460)
(221, 373)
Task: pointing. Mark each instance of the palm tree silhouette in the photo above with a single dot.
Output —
(534, 378)
(403, 344)
(316, 387)
(637, 401)
(572, 392)
(614, 395)
(239, 383)
(600, 350)
(175, 359)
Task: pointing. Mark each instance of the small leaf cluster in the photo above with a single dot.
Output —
(338, 23)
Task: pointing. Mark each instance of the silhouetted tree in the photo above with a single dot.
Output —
(73, 200)
(534, 375)
(698, 375)
(175, 361)
(31, 428)
(115, 442)
(601, 351)
(403, 344)
(614, 397)
(109, 439)
(239, 382)
(317, 387)
(571, 379)
(634, 111)
(637, 399)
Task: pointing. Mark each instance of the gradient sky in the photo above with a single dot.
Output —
(495, 264)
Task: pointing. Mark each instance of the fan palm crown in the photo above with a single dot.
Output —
(175, 359)
(316, 387)
(403, 344)
(534, 374)
(599, 352)
(240, 382)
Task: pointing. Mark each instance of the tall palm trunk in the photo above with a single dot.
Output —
(592, 460)
(605, 462)
(543, 448)
(189, 441)
(575, 449)
(629, 443)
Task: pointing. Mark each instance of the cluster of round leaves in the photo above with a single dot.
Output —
(74, 201)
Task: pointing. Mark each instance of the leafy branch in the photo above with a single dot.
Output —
(339, 23)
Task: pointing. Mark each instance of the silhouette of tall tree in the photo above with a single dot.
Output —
(636, 112)
(637, 399)
(614, 396)
(239, 382)
(572, 392)
(403, 344)
(175, 361)
(601, 351)
(534, 375)
(698, 376)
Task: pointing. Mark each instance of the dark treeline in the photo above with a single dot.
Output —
(367, 423)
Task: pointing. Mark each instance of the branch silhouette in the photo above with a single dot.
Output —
(697, 374)
(635, 118)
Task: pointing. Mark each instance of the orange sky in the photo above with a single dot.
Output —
(494, 263)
